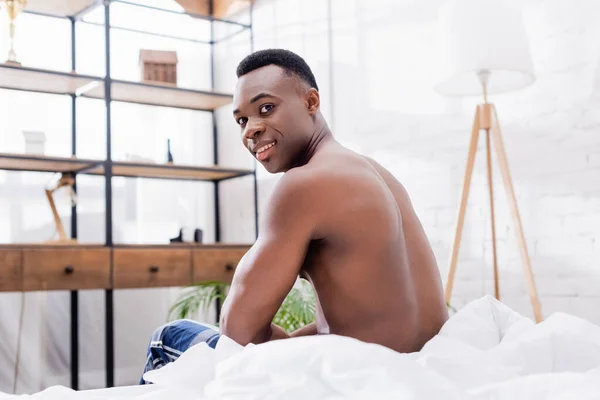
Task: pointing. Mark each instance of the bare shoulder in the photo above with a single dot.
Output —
(294, 194)
(385, 174)
(309, 180)
(330, 178)
(373, 163)
(389, 178)
(309, 190)
(295, 184)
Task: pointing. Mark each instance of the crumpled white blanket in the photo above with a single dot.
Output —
(485, 351)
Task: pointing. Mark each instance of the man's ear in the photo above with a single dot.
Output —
(313, 101)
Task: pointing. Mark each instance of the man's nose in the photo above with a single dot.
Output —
(253, 129)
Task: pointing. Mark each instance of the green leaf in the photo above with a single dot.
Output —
(298, 309)
(197, 297)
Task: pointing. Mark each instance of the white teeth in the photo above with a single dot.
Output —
(265, 148)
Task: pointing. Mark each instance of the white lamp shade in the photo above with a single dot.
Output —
(476, 35)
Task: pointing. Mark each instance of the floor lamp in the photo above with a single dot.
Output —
(484, 50)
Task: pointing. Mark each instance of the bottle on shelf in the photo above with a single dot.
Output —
(169, 155)
(188, 235)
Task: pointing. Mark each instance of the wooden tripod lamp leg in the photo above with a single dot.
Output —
(491, 191)
(512, 202)
(463, 207)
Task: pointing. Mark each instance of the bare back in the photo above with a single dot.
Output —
(371, 265)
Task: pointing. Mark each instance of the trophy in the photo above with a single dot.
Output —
(14, 8)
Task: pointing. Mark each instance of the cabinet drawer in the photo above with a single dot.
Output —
(66, 269)
(136, 268)
(216, 264)
(11, 273)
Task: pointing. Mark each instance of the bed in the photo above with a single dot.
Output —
(484, 351)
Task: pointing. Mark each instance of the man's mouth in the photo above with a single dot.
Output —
(265, 151)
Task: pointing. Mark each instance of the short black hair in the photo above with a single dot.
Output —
(289, 61)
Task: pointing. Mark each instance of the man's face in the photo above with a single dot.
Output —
(272, 110)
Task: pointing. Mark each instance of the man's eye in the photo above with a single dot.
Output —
(242, 121)
(266, 108)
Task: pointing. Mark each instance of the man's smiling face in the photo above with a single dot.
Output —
(271, 108)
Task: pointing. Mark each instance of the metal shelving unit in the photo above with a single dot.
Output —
(109, 89)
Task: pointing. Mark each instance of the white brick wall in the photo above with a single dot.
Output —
(379, 97)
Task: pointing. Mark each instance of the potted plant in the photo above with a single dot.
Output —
(296, 311)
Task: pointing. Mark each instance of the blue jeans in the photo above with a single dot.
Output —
(171, 340)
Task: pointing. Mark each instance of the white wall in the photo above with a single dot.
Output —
(376, 76)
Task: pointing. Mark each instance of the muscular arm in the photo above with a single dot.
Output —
(268, 271)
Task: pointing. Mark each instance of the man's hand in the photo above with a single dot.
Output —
(268, 271)
(307, 330)
(278, 332)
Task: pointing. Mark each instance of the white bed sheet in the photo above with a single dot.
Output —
(485, 351)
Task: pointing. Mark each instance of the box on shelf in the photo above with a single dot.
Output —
(34, 142)
(158, 66)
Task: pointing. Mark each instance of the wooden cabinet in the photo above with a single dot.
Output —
(79, 267)
(66, 269)
(151, 267)
(11, 274)
(216, 264)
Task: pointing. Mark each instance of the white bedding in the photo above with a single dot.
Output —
(485, 351)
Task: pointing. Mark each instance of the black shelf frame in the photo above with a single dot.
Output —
(108, 162)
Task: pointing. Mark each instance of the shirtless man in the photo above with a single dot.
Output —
(335, 218)
(338, 219)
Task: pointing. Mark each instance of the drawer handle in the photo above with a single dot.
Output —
(154, 269)
(69, 269)
(229, 267)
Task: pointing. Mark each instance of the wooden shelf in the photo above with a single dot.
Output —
(33, 163)
(25, 162)
(60, 8)
(162, 95)
(44, 81)
(57, 82)
(166, 171)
